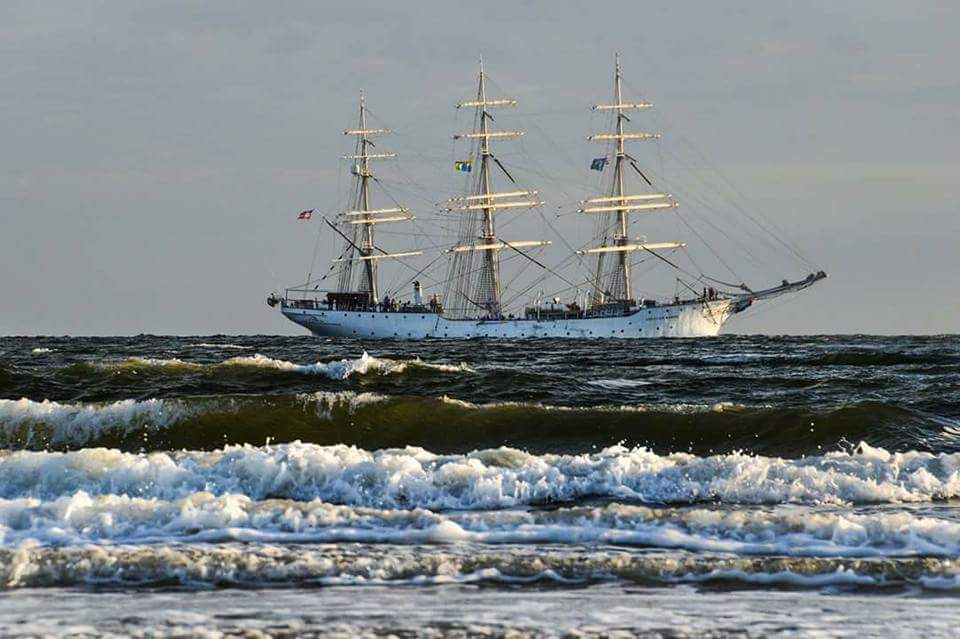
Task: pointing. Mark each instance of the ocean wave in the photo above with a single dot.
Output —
(338, 369)
(81, 518)
(42, 350)
(493, 478)
(678, 408)
(445, 424)
(265, 565)
(28, 423)
(341, 369)
(25, 423)
(865, 358)
(221, 346)
(618, 383)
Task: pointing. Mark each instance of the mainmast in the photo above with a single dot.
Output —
(359, 221)
(612, 282)
(486, 293)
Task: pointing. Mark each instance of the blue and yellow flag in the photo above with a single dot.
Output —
(466, 166)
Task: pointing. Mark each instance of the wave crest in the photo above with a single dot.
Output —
(495, 478)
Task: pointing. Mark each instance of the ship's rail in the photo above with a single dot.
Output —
(331, 300)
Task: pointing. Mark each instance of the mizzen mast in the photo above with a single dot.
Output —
(479, 289)
(358, 223)
(612, 282)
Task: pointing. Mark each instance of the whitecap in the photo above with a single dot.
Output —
(335, 370)
(618, 383)
(54, 423)
(416, 478)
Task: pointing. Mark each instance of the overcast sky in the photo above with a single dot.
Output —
(153, 156)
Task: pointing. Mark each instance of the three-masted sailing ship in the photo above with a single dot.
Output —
(469, 301)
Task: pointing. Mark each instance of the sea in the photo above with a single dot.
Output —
(264, 486)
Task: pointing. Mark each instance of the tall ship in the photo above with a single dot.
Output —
(467, 295)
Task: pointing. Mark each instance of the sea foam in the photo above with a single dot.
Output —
(53, 423)
(82, 518)
(494, 478)
(337, 369)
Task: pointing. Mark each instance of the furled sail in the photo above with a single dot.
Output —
(358, 222)
(611, 277)
(473, 286)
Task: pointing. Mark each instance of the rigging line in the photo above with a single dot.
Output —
(742, 210)
(555, 180)
(726, 197)
(637, 169)
(689, 288)
(742, 285)
(313, 260)
(520, 273)
(709, 247)
(536, 282)
(503, 168)
(460, 278)
(660, 257)
(563, 239)
(561, 265)
(540, 264)
(589, 280)
(416, 275)
(349, 241)
(558, 150)
(712, 167)
(689, 196)
(633, 163)
(394, 200)
(467, 273)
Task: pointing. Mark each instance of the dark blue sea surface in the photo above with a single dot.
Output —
(539, 487)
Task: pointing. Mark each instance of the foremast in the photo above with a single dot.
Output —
(477, 291)
(357, 224)
(611, 281)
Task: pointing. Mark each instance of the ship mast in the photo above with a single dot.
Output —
(360, 245)
(490, 275)
(486, 292)
(612, 283)
(366, 248)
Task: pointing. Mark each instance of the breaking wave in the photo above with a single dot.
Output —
(373, 420)
(264, 565)
(340, 369)
(412, 477)
(81, 518)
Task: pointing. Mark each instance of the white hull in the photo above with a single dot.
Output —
(692, 319)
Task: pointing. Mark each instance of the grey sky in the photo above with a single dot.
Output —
(154, 155)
